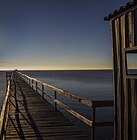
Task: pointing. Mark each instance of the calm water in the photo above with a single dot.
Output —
(94, 85)
(2, 86)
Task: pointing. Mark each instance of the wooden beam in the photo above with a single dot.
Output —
(4, 112)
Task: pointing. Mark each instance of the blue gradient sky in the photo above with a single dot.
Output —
(56, 34)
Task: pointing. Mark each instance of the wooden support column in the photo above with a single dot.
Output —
(55, 98)
(32, 83)
(93, 123)
(29, 81)
(36, 86)
(42, 91)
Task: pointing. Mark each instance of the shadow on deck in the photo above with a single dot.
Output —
(32, 117)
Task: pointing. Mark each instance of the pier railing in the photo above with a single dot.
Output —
(92, 104)
(5, 108)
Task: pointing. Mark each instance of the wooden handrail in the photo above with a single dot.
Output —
(4, 111)
(65, 93)
(79, 99)
(71, 111)
(87, 102)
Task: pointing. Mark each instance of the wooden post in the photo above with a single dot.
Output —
(42, 91)
(55, 102)
(32, 83)
(93, 124)
(36, 86)
(29, 81)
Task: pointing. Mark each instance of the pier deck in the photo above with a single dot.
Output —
(32, 117)
(27, 115)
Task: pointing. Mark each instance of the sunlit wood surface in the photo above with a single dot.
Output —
(32, 117)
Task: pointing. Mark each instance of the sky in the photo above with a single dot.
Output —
(56, 34)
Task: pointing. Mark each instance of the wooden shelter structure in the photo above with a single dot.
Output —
(123, 24)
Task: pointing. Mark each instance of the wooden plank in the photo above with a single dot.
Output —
(132, 49)
(118, 82)
(133, 92)
(135, 27)
(131, 29)
(124, 73)
(114, 55)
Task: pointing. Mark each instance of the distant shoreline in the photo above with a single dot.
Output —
(67, 70)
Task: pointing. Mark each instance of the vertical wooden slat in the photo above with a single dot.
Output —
(133, 93)
(124, 73)
(135, 96)
(129, 109)
(131, 31)
(135, 27)
(121, 74)
(118, 78)
(114, 53)
(126, 31)
(119, 132)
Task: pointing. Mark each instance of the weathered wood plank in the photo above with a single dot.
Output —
(131, 31)
(132, 49)
(124, 73)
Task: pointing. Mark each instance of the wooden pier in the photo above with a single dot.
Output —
(26, 114)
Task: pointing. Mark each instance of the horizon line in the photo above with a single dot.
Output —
(60, 69)
(53, 69)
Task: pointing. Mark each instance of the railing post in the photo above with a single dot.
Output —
(29, 81)
(36, 86)
(55, 102)
(32, 83)
(42, 91)
(93, 124)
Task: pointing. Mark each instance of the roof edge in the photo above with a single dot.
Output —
(121, 9)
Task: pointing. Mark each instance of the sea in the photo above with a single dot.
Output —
(90, 84)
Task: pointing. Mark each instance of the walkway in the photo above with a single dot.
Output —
(33, 118)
